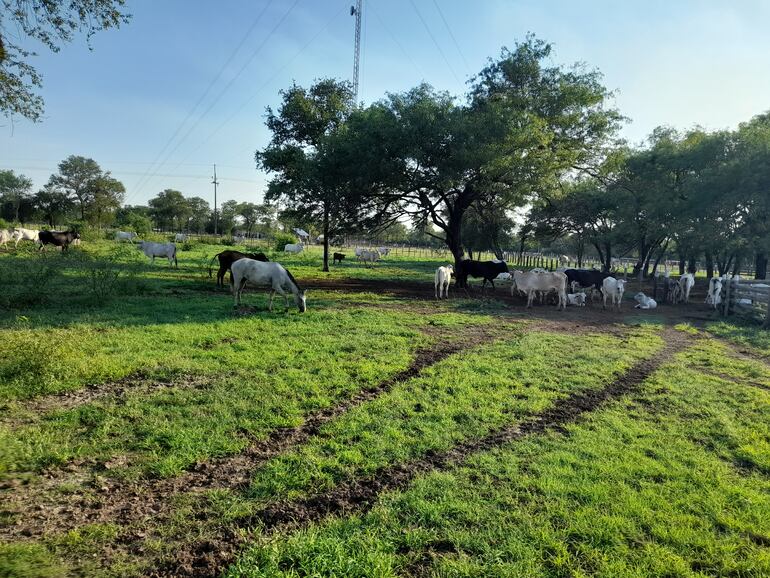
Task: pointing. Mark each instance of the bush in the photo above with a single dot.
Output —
(282, 239)
(4, 224)
(26, 281)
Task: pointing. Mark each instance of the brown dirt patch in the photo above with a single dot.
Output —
(357, 495)
(92, 497)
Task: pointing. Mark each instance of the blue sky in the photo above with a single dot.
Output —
(131, 102)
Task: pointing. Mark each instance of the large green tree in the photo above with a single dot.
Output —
(200, 214)
(307, 157)
(52, 24)
(525, 124)
(76, 178)
(53, 204)
(170, 210)
(14, 189)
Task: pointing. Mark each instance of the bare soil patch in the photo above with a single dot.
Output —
(358, 495)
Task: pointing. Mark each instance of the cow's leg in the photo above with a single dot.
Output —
(604, 300)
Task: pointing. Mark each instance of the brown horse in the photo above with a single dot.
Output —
(226, 260)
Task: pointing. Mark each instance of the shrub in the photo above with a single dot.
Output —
(282, 239)
(26, 281)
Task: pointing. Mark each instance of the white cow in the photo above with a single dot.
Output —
(369, 256)
(359, 250)
(153, 250)
(714, 296)
(269, 274)
(441, 281)
(644, 302)
(293, 248)
(20, 234)
(531, 283)
(180, 238)
(383, 251)
(686, 283)
(504, 276)
(5, 236)
(613, 288)
(125, 236)
(577, 299)
(564, 260)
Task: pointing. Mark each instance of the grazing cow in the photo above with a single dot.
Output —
(293, 248)
(714, 296)
(5, 236)
(644, 302)
(180, 238)
(383, 251)
(487, 270)
(272, 275)
(532, 283)
(686, 283)
(441, 281)
(337, 258)
(226, 260)
(613, 288)
(367, 256)
(57, 239)
(577, 299)
(358, 251)
(20, 234)
(125, 236)
(153, 250)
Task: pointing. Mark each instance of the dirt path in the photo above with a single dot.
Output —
(209, 558)
(40, 511)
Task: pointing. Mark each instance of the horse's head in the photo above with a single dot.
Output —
(299, 299)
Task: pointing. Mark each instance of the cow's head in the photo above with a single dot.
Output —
(300, 300)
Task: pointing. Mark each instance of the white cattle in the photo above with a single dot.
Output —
(272, 275)
(531, 283)
(613, 288)
(125, 236)
(359, 250)
(180, 238)
(686, 283)
(644, 302)
(504, 276)
(714, 296)
(577, 299)
(5, 236)
(293, 248)
(538, 270)
(153, 250)
(441, 281)
(239, 239)
(20, 234)
(383, 251)
(369, 256)
(564, 260)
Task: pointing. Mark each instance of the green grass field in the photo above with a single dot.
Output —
(148, 428)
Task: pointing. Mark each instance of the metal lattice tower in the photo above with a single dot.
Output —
(356, 11)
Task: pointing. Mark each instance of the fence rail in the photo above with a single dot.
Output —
(749, 298)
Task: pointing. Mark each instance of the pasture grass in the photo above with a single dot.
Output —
(655, 484)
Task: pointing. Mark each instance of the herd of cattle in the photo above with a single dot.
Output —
(571, 286)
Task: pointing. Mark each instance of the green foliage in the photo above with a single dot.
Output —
(170, 210)
(280, 240)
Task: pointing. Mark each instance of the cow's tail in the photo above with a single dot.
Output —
(176, 263)
(212, 262)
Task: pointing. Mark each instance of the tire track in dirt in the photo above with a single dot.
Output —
(39, 510)
(731, 378)
(211, 557)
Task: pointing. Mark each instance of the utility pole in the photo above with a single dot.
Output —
(215, 182)
(356, 11)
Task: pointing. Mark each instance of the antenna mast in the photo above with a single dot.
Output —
(356, 11)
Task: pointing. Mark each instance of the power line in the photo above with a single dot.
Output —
(425, 24)
(262, 87)
(254, 24)
(395, 40)
(452, 36)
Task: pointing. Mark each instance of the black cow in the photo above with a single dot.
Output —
(57, 238)
(488, 270)
(337, 258)
(586, 278)
(226, 260)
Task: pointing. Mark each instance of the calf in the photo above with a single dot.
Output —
(57, 239)
(337, 258)
(292, 248)
(614, 289)
(487, 270)
(644, 302)
(226, 260)
(441, 281)
(577, 299)
(714, 296)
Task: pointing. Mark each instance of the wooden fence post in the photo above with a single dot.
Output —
(726, 306)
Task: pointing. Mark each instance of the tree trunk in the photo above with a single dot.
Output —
(681, 264)
(761, 266)
(691, 265)
(607, 265)
(709, 265)
(737, 265)
(326, 240)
